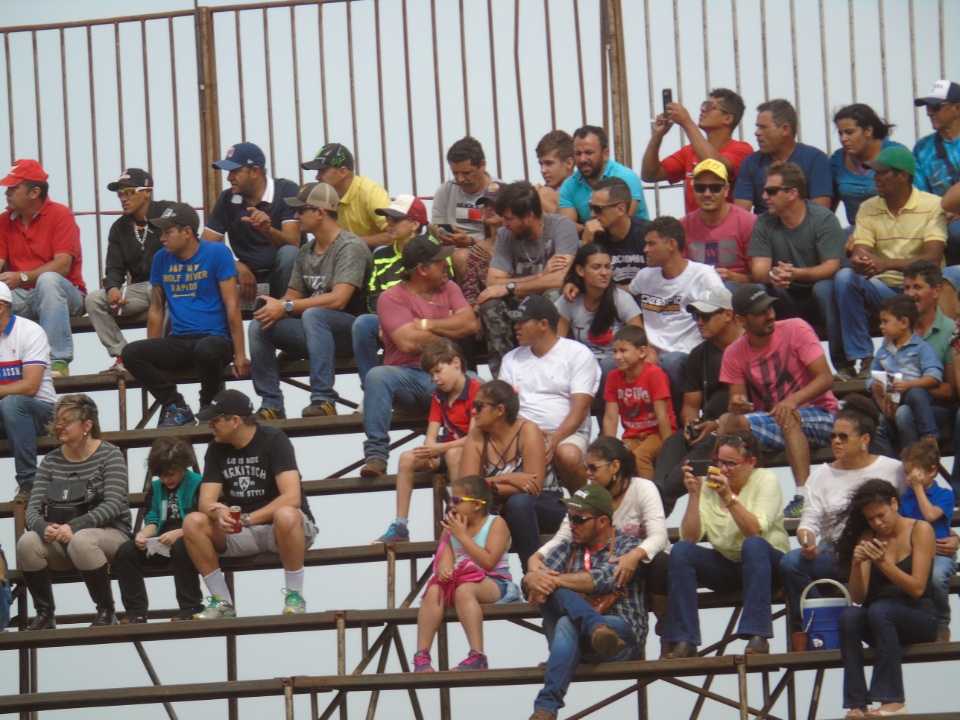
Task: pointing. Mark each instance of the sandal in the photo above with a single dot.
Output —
(856, 713)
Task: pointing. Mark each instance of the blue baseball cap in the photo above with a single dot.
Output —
(242, 155)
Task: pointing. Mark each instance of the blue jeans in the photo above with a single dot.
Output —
(530, 516)
(279, 277)
(944, 568)
(887, 626)
(672, 363)
(52, 303)
(366, 343)
(22, 418)
(406, 387)
(857, 296)
(569, 623)
(319, 334)
(796, 572)
(906, 429)
(692, 565)
(819, 302)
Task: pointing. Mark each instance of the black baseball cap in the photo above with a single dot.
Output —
(178, 215)
(226, 402)
(331, 155)
(422, 250)
(132, 177)
(535, 307)
(751, 299)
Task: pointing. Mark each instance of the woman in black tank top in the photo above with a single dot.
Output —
(890, 559)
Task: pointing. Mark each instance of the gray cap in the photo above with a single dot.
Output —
(315, 194)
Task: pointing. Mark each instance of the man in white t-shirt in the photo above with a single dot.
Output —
(664, 288)
(26, 390)
(556, 380)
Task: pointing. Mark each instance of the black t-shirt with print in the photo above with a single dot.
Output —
(249, 475)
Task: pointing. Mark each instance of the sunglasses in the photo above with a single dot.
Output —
(456, 500)
(708, 105)
(843, 436)
(935, 108)
(772, 190)
(593, 467)
(701, 188)
(728, 464)
(578, 520)
(706, 317)
(307, 208)
(478, 405)
(597, 209)
(128, 191)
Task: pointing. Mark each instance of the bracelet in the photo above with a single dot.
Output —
(423, 323)
(732, 501)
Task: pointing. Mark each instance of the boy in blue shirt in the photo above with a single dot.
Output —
(925, 500)
(904, 352)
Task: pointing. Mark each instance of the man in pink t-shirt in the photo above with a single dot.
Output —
(779, 385)
(420, 308)
(718, 232)
(710, 137)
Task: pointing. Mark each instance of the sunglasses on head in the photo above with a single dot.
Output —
(701, 188)
(578, 520)
(457, 499)
(772, 190)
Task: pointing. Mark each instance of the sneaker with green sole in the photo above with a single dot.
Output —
(216, 609)
(294, 604)
(794, 508)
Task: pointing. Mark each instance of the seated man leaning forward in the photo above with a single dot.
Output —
(314, 318)
(779, 385)
(195, 281)
(556, 379)
(253, 469)
(577, 574)
(420, 308)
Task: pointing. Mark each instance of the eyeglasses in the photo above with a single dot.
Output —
(478, 405)
(715, 188)
(706, 317)
(708, 105)
(128, 191)
(772, 190)
(842, 436)
(592, 467)
(578, 520)
(597, 209)
(728, 464)
(456, 500)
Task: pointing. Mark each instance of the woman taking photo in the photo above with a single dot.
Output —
(637, 511)
(828, 492)
(740, 511)
(862, 136)
(890, 559)
(511, 454)
(77, 515)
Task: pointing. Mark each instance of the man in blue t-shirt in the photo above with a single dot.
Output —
(263, 233)
(196, 282)
(776, 135)
(591, 153)
(938, 157)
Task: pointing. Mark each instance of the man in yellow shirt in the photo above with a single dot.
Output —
(360, 197)
(901, 224)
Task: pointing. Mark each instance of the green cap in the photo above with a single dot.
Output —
(894, 157)
(592, 497)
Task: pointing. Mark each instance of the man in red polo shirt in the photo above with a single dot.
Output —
(41, 259)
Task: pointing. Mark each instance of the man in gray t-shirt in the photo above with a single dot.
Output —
(796, 248)
(314, 318)
(532, 254)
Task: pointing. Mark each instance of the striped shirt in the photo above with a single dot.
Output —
(899, 237)
(105, 469)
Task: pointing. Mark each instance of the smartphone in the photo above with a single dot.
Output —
(667, 99)
(690, 431)
(700, 467)
(446, 227)
(260, 302)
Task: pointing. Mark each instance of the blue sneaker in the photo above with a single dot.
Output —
(397, 532)
(175, 415)
(794, 508)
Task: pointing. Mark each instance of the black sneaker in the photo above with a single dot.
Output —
(177, 415)
(265, 413)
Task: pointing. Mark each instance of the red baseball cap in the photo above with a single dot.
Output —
(24, 170)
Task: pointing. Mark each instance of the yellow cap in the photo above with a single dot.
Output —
(714, 166)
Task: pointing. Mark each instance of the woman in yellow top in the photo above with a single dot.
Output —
(740, 512)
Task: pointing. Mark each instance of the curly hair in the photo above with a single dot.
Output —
(872, 492)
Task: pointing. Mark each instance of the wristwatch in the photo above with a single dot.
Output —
(511, 288)
(288, 307)
(732, 501)
(24, 278)
(245, 519)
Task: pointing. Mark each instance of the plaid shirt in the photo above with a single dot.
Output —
(630, 608)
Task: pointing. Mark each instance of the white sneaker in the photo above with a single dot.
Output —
(216, 609)
(294, 604)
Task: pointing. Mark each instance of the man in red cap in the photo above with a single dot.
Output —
(41, 259)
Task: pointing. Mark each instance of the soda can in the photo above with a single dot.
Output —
(235, 512)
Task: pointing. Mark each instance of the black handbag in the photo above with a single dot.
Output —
(66, 500)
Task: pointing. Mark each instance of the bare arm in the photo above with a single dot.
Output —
(288, 483)
(414, 335)
(231, 301)
(662, 412)
(158, 303)
(825, 200)
(745, 204)
(61, 264)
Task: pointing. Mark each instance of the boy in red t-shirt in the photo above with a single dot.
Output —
(638, 394)
(451, 417)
